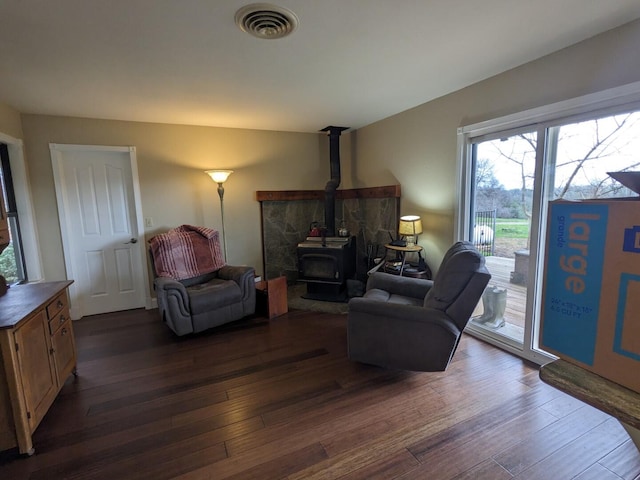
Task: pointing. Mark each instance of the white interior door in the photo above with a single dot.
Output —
(98, 204)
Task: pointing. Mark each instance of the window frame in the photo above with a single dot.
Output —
(543, 120)
(8, 192)
(24, 206)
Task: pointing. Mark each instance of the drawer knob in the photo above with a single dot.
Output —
(59, 304)
(62, 319)
(63, 332)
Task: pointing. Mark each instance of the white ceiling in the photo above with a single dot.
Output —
(349, 63)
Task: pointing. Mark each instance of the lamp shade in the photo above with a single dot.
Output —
(219, 176)
(410, 225)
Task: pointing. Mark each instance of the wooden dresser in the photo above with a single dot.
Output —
(38, 354)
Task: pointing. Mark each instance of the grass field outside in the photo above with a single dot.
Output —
(511, 234)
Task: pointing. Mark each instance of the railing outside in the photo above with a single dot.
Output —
(484, 229)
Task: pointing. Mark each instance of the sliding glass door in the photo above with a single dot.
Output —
(509, 177)
(501, 209)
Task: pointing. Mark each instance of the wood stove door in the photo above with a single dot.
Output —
(319, 267)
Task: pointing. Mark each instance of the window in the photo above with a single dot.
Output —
(12, 265)
(510, 169)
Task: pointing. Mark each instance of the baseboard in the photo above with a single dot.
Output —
(152, 302)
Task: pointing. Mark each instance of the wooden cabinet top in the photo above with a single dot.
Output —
(20, 301)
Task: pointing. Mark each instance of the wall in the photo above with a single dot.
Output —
(417, 148)
(174, 188)
(10, 122)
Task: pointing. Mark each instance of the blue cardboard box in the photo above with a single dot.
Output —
(590, 311)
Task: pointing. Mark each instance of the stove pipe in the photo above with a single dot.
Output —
(332, 185)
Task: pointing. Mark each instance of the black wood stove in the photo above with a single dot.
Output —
(325, 262)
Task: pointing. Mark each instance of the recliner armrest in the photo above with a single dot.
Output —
(168, 283)
(245, 277)
(174, 305)
(394, 284)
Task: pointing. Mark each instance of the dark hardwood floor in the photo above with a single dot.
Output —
(280, 400)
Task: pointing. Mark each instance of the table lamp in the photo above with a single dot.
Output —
(410, 227)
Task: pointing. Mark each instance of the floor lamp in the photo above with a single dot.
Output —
(220, 176)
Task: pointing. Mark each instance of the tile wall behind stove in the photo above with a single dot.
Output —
(286, 223)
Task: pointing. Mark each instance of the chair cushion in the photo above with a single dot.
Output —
(207, 277)
(212, 295)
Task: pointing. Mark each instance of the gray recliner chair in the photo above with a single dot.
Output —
(412, 324)
(218, 294)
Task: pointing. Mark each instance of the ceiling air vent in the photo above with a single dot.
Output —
(266, 21)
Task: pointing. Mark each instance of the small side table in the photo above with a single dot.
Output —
(403, 253)
(271, 297)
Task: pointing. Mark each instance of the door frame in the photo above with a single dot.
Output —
(57, 160)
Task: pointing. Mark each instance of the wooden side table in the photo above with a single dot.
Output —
(402, 251)
(271, 297)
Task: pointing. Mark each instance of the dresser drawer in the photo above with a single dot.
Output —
(64, 351)
(57, 305)
(58, 320)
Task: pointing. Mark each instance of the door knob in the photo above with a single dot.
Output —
(133, 240)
